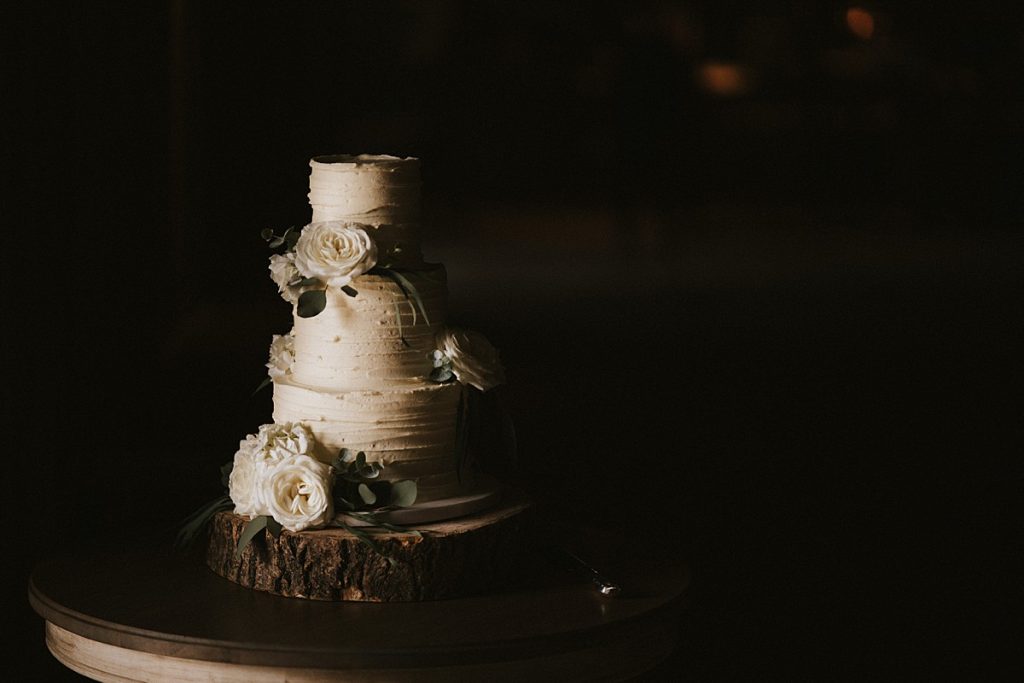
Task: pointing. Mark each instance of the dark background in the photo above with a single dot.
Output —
(755, 269)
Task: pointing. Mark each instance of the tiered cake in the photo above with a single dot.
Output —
(354, 381)
(371, 396)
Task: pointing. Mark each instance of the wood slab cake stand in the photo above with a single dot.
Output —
(450, 558)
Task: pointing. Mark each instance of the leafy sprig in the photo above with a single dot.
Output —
(313, 301)
(194, 524)
(289, 237)
(358, 486)
(442, 371)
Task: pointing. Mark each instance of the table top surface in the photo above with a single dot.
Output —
(164, 603)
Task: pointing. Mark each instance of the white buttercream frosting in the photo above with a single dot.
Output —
(356, 341)
(410, 430)
(379, 191)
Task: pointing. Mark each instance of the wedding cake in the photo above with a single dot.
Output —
(360, 369)
(372, 397)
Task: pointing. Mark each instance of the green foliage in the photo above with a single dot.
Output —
(311, 303)
(409, 289)
(365, 539)
(358, 484)
(376, 522)
(286, 239)
(252, 527)
(274, 527)
(267, 381)
(403, 493)
(368, 496)
(441, 375)
(442, 371)
(194, 524)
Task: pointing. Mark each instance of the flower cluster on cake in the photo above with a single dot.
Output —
(371, 390)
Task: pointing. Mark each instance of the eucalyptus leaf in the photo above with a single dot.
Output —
(252, 527)
(403, 493)
(276, 242)
(347, 455)
(291, 237)
(306, 282)
(371, 471)
(262, 385)
(368, 496)
(274, 527)
(197, 521)
(311, 303)
(441, 374)
(360, 460)
(371, 518)
(369, 542)
(266, 234)
(349, 290)
(408, 289)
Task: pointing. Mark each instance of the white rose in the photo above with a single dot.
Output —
(473, 360)
(279, 441)
(246, 478)
(334, 252)
(283, 271)
(297, 492)
(282, 355)
(256, 455)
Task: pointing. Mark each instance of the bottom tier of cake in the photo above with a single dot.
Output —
(470, 555)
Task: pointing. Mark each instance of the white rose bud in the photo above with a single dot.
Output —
(297, 492)
(334, 252)
(283, 271)
(282, 355)
(473, 360)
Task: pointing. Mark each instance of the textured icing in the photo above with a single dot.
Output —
(410, 430)
(381, 192)
(356, 342)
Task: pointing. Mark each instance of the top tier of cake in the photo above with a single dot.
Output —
(378, 191)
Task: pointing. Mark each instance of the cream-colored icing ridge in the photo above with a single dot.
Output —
(379, 191)
(409, 430)
(356, 342)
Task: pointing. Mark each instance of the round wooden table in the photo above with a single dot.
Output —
(152, 616)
